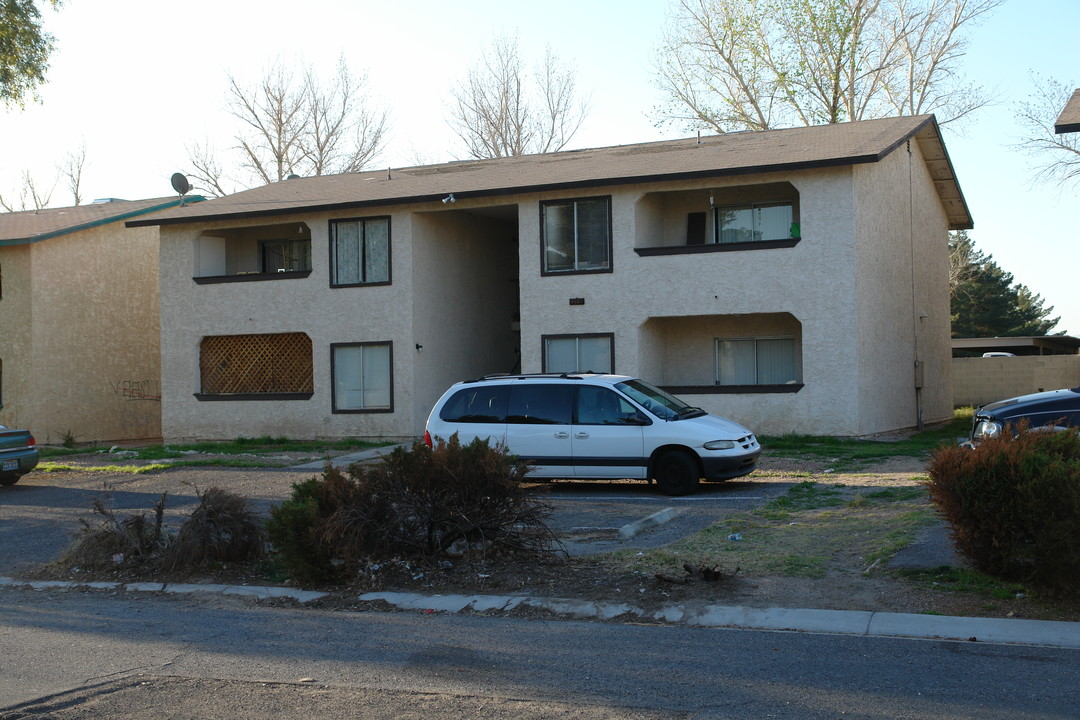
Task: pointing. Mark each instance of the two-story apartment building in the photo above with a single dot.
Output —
(793, 280)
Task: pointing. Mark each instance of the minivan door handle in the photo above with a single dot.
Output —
(582, 435)
(562, 435)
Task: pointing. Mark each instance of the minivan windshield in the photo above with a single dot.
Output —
(658, 402)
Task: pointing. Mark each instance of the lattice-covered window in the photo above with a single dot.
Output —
(256, 364)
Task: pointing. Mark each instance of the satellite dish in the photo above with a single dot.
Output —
(180, 183)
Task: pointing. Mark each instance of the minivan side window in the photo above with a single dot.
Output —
(600, 406)
(541, 404)
(482, 404)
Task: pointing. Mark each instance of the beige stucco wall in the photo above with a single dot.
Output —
(979, 380)
(453, 292)
(813, 282)
(90, 368)
(16, 341)
(190, 311)
(464, 266)
(902, 286)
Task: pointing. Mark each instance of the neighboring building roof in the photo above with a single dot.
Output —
(1027, 345)
(707, 157)
(1069, 119)
(31, 226)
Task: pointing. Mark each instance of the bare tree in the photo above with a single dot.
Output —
(31, 197)
(1058, 154)
(499, 110)
(72, 169)
(760, 64)
(293, 123)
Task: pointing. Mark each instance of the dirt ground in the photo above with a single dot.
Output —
(846, 584)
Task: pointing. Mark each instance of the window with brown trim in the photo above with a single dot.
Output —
(591, 352)
(266, 366)
(576, 235)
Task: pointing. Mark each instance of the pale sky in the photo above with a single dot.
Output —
(138, 82)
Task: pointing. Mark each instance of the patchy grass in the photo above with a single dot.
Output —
(239, 453)
(848, 454)
(965, 580)
(804, 533)
(130, 469)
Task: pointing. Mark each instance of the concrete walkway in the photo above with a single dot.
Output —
(342, 461)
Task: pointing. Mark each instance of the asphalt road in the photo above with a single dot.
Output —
(76, 655)
(71, 654)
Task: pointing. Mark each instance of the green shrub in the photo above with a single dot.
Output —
(296, 527)
(1014, 505)
(416, 504)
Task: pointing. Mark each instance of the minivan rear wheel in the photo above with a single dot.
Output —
(676, 473)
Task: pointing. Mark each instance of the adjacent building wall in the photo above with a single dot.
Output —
(87, 367)
(16, 336)
(978, 381)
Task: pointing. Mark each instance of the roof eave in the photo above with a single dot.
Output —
(97, 223)
(518, 190)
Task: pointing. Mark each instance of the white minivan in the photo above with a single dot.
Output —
(584, 425)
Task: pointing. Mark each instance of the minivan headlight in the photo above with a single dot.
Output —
(719, 445)
(986, 429)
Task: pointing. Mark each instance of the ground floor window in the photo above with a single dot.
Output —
(757, 361)
(260, 364)
(579, 353)
(362, 377)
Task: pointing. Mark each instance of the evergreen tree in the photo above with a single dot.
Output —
(985, 300)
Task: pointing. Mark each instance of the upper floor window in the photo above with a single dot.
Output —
(254, 253)
(285, 255)
(360, 251)
(754, 222)
(576, 235)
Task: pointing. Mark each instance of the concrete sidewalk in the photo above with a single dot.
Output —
(1042, 633)
(342, 461)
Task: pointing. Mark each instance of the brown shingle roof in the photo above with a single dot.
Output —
(30, 226)
(713, 156)
(1069, 119)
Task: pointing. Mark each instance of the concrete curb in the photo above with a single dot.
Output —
(657, 518)
(257, 591)
(1046, 633)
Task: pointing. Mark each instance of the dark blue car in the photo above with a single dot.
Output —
(18, 455)
(1053, 410)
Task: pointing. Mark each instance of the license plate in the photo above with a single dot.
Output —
(11, 465)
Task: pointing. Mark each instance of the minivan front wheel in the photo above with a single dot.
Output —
(676, 473)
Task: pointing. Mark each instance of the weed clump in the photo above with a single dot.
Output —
(112, 541)
(1014, 505)
(418, 504)
(223, 528)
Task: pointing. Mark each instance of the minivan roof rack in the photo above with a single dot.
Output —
(576, 375)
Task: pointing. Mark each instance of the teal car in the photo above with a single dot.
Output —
(18, 454)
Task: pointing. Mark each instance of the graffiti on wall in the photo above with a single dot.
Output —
(136, 390)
